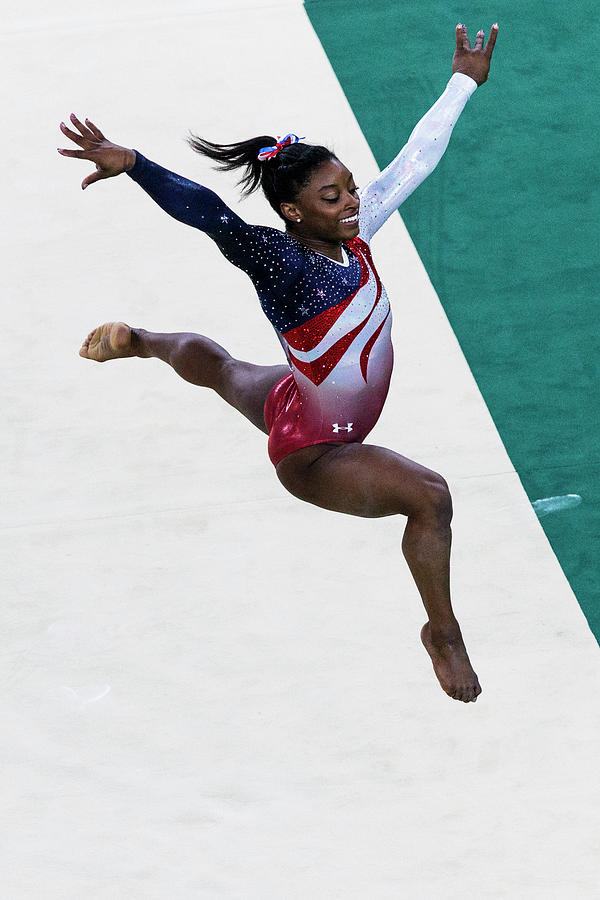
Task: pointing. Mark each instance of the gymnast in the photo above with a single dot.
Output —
(318, 287)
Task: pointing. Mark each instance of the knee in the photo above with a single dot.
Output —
(435, 500)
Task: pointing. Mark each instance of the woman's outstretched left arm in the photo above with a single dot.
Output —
(429, 139)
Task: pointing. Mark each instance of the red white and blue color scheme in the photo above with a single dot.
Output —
(271, 152)
(333, 319)
(341, 364)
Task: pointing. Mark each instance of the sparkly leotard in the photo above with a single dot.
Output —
(333, 319)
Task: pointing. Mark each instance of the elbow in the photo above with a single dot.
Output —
(421, 166)
(429, 156)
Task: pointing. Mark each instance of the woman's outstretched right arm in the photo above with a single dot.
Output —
(188, 202)
(185, 200)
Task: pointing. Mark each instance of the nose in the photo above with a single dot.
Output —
(354, 203)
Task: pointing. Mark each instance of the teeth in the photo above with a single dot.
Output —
(350, 219)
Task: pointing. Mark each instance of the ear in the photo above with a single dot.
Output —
(290, 212)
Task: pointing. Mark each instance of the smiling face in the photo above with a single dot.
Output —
(327, 206)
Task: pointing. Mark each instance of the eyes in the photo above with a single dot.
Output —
(353, 191)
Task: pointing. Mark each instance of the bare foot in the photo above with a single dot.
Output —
(451, 664)
(109, 341)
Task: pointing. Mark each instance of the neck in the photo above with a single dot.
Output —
(332, 249)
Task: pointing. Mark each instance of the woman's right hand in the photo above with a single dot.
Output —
(109, 158)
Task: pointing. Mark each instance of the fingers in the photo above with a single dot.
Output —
(489, 47)
(458, 38)
(86, 136)
(86, 133)
(76, 138)
(95, 176)
(76, 154)
(462, 38)
(84, 154)
(463, 43)
(95, 130)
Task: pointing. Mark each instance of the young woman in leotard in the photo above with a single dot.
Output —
(319, 288)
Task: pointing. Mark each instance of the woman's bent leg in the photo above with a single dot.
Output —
(364, 480)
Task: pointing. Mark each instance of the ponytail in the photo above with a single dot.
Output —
(281, 177)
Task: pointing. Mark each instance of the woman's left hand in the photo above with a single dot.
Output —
(474, 62)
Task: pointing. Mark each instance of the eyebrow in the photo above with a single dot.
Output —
(327, 186)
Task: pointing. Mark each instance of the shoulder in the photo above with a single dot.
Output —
(279, 249)
(278, 238)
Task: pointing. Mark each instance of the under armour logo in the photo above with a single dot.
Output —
(337, 428)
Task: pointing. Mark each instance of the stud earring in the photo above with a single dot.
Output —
(298, 220)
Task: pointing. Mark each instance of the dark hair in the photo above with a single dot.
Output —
(281, 177)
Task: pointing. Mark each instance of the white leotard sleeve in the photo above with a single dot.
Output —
(417, 159)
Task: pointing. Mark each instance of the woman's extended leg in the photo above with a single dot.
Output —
(363, 480)
(196, 359)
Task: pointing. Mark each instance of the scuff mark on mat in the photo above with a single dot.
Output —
(548, 505)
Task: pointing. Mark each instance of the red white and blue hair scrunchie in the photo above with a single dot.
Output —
(271, 152)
